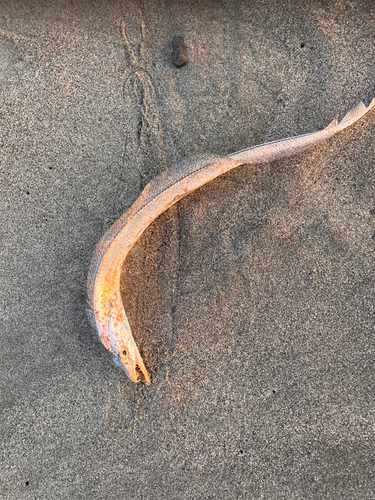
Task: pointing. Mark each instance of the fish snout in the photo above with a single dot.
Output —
(132, 364)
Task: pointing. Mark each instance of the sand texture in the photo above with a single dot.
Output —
(252, 299)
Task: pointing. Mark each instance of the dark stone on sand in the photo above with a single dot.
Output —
(180, 51)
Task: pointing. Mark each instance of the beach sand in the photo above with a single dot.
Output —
(252, 299)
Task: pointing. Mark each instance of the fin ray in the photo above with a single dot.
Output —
(359, 109)
(333, 122)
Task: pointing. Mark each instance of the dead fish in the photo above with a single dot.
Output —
(105, 304)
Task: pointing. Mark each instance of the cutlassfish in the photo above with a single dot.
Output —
(105, 303)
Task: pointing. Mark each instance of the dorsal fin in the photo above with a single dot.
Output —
(359, 109)
(333, 122)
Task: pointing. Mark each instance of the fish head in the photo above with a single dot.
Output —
(124, 350)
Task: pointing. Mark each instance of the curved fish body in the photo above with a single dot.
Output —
(106, 307)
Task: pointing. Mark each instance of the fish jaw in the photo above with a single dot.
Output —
(125, 351)
(136, 370)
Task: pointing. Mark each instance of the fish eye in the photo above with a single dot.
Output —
(123, 353)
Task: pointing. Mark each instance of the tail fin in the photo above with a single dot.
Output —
(352, 116)
(333, 123)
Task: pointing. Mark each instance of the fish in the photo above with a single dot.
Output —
(106, 310)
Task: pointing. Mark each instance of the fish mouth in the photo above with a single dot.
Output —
(125, 352)
(136, 370)
(139, 374)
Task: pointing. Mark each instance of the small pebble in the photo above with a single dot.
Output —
(180, 51)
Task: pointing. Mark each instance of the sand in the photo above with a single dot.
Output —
(252, 300)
